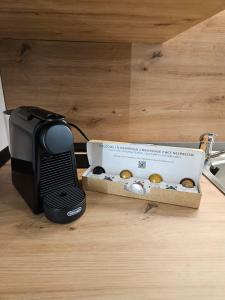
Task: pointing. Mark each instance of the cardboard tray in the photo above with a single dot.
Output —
(181, 198)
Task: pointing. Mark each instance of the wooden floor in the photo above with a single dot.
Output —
(115, 251)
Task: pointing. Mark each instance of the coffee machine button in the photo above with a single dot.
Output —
(53, 116)
(57, 139)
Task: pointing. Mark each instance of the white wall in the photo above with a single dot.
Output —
(3, 132)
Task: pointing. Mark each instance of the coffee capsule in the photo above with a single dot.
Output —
(126, 174)
(137, 188)
(108, 178)
(187, 182)
(170, 187)
(98, 170)
(155, 178)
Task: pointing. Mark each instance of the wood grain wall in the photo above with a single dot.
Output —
(151, 21)
(123, 91)
(87, 82)
(178, 88)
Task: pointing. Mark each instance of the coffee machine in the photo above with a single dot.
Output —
(43, 163)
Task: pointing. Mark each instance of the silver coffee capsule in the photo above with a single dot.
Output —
(138, 188)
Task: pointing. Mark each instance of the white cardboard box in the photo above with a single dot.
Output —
(172, 163)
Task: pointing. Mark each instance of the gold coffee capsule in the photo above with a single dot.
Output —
(187, 182)
(155, 178)
(126, 174)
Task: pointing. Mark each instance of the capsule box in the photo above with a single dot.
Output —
(172, 163)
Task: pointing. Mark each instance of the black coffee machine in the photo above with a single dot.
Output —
(43, 164)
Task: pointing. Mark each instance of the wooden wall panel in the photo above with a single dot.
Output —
(151, 21)
(174, 91)
(87, 82)
(178, 88)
